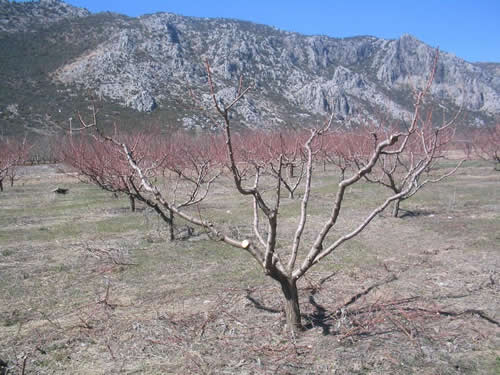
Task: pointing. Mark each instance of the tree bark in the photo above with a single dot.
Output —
(395, 208)
(171, 225)
(342, 174)
(291, 168)
(132, 203)
(292, 307)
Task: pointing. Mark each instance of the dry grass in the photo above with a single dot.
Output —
(87, 287)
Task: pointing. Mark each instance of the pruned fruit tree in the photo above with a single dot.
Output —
(175, 174)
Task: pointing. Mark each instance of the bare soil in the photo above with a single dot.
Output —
(87, 287)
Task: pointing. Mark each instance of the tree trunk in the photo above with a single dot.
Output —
(171, 225)
(132, 203)
(292, 307)
(12, 181)
(290, 170)
(395, 208)
(342, 174)
(1, 185)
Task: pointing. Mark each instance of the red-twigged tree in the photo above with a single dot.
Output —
(260, 176)
(182, 170)
(345, 148)
(428, 146)
(486, 145)
(266, 150)
(13, 153)
(101, 165)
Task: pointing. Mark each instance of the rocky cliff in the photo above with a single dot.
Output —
(154, 65)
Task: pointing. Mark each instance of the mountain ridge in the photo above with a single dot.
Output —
(148, 67)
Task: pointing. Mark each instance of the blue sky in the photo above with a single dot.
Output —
(469, 29)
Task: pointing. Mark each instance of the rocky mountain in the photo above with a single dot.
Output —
(16, 17)
(150, 69)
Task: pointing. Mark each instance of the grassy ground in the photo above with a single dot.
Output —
(87, 287)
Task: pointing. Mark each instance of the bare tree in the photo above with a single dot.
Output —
(428, 146)
(12, 154)
(263, 150)
(344, 149)
(183, 168)
(98, 163)
(284, 258)
(486, 145)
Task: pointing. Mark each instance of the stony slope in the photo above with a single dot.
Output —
(148, 68)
